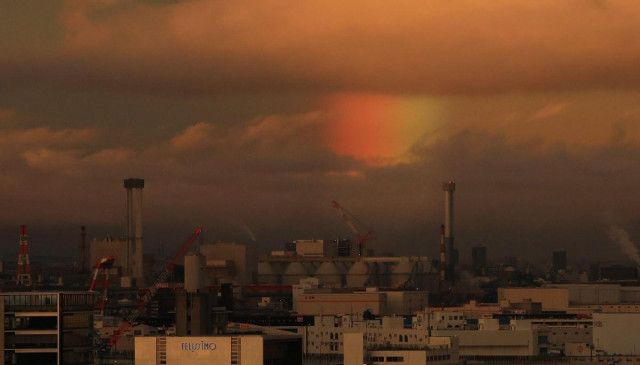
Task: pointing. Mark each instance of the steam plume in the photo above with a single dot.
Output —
(628, 247)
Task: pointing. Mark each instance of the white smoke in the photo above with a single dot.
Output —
(628, 247)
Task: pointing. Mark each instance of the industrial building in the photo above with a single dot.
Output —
(434, 350)
(491, 342)
(46, 328)
(374, 301)
(246, 345)
(349, 272)
(551, 298)
(616, 333)
(230, 262)
(325, 338)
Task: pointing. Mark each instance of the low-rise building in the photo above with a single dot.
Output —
(433, 350)
(551, 299)
(247, 345)
(616, 333)
(380, 303)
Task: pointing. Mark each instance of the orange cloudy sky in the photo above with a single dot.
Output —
(262, 112)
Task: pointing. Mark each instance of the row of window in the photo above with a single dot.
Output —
(30, 301)
(387, 359)
(575, 333)
(439, 357)
(452, 318)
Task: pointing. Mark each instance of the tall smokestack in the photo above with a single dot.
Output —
(449, 187)
(83, 249)
(443, 255)
(134, 259)
(23, 276)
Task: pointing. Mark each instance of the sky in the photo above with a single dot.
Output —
(255, 115)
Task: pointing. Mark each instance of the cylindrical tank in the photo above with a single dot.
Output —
(266, 275)
(401, 273)
(293, 273)
(329, 274)
(193, 276)
(359, 275)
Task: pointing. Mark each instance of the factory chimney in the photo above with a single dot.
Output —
(451, 254)
(83, 250)
(443, 255)
(23, 276)
(134, 257)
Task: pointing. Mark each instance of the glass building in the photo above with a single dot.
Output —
(46, 328)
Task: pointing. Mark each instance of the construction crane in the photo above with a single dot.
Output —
(360, 230)
(103, 266)
(150, 292)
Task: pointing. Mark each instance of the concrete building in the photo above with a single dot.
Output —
(108, 246)
(46, 328)
(230, 262)
(491, 342)
(600, 294)
(551, 298)
(381, 303)
(248, 346)
(325, 338)
(433, 351)
(617, 333)
(556, 335)
(313, 248)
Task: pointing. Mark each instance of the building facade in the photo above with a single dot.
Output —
(46, 328)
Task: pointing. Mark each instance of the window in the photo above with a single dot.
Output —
(376, 358)
(395, 359)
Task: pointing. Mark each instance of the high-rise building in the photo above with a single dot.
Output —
(559, 260)
(134, 260)
(479, 258)
(46, 328)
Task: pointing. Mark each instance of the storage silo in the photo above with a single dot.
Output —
(401, 273)
(293, 273)
(359, 275)
(329, 274)
(266, 274)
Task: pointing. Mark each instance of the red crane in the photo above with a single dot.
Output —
(150, 292)
(360, 230)
(104, 266)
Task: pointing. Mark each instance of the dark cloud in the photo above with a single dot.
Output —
(465, 47)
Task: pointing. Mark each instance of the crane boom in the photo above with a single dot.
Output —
(103, 265)
(362, 232)
(151, 291)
